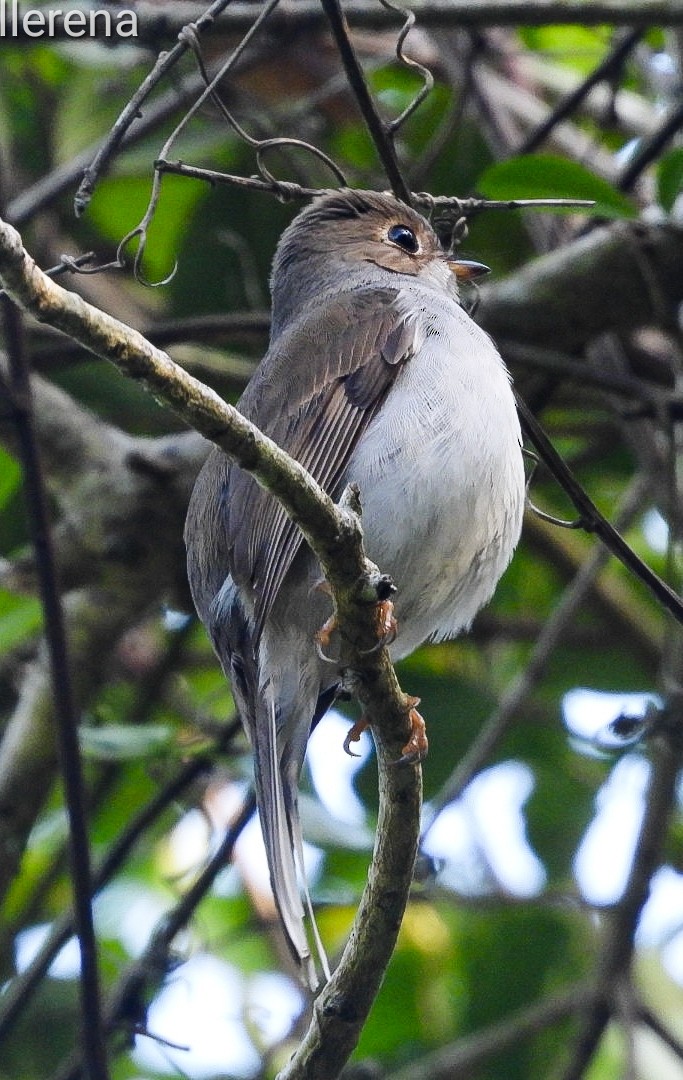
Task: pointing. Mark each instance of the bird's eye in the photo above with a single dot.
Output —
(404, 237)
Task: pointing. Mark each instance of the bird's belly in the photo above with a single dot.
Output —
(442, 494)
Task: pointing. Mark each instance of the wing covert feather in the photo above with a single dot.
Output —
(328, 374)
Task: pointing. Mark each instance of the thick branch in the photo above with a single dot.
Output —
(618, 277)
(157, 24)
(335, 536)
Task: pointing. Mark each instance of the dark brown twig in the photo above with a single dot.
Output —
(650, 148)
(591, 520)
(466, 1056)
(381, 134)
(165, 62)
(65, 709)
(285, 190)
(622, 921)
(612, 64)
(21, 989)
(126, 1009)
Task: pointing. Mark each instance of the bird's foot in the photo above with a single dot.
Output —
(387, 627)
(416, 748)
(414, 751)
(323, 637)
(354, 734)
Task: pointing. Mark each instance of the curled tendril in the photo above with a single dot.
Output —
(74, 264)
(140, 232)
(261, 146)
(283, 190)
(428, 79)
(577, 523)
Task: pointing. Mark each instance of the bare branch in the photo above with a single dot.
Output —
(335, 536)
(620, 923)
(154, 25)
(164, 64)
(612, 64)
(618, 277)
(65, 711)
(21, 988)
(593, 521)
(470, 1052)
(126, 1010)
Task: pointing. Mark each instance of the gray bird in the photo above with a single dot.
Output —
(374, 375)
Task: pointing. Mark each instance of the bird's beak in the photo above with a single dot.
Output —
(467, 270)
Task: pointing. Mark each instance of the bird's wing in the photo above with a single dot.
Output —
(316, 391)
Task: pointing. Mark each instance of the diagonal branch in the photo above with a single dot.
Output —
(335, 535)
(378, 129)
(165, 63)
(126, 1009)
(593, 521)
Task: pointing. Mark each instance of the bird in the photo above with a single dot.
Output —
(375, 375)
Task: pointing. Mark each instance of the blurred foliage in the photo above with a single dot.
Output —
(473, 949)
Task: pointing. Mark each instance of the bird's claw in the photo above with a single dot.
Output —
(353, 735)
(323, 637)
(387, 627)
(415, 750)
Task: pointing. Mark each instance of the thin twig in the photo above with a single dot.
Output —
(591, 520)
(21, 988)
(126, 1010)
(160, 21)
(612, 64)
(649, 399)
(139, 232)
(621, 922)
(646, 1016)
(649, 149)
(381, 135)
(165, 62)
(50, 187)
(65, 709)
(285, 190)
(260, 145)
(466, 1056)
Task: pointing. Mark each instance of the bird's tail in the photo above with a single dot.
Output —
(277, 791)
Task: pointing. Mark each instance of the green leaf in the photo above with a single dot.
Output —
(579, 48)
(120, 742)
(20, 617)
(541, 176)
(9, 476)
(670, 178)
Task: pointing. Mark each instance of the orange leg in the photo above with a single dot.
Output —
(387, 627)
(323, 637)
(415, 749)
(417, 746)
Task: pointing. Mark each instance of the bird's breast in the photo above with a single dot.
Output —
(441, 480)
